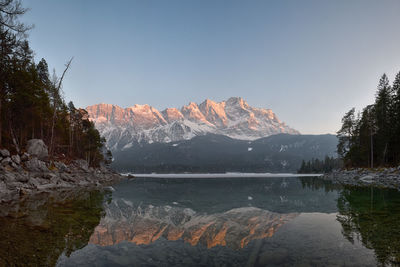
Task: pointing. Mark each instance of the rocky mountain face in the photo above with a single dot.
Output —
(141, 124)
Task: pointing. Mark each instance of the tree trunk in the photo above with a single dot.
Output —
(14, 139)
(384, 153)
(55, 106)
(372, 152)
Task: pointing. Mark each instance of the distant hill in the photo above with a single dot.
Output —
(219, 153)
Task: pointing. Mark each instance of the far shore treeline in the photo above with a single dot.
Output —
(371, 138)
(31, 101)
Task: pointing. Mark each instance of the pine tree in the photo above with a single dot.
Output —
(32, 104)
(383, 104)
(346, 134)
(396, 118)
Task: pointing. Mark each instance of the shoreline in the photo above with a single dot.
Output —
(33, 172)
(382, 177)
(18, 184)
(216, 175)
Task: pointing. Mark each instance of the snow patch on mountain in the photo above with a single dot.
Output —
(125, 128)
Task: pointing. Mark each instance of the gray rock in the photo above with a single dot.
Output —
(9, 177)
(22, 178)
(48, 176)
(4, 153)
(36, 165)
(16, 166)
(6, 161)
(67, 177)
(60, 166)
(82, 164)
(33, 182)
(3, 187)
(25, 157)
(16, 159)
(36, 147)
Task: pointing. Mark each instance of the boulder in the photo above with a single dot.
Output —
(4, 153)
(16, 159)
(36, 165)
(36, 147)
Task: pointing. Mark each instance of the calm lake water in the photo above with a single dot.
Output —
(273, 221)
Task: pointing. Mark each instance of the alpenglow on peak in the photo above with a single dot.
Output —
(127, 127)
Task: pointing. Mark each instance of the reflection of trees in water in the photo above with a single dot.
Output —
(316, 183)
(373, 216)
(37, 232)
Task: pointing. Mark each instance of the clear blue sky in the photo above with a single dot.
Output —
(309, 61)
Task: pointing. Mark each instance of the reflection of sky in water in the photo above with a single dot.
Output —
(282, 195)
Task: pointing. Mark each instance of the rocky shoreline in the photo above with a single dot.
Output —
(381, 177)
(31, 172)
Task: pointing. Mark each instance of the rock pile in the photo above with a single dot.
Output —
(382, 177)
(32, 172)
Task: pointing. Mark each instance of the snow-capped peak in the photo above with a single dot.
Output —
(123, 128)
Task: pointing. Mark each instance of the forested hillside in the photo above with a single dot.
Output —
(372, 137)
(218, 153)
(31, 101)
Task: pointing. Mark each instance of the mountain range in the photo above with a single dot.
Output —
(124, 128)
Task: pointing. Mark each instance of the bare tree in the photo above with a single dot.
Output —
(56, 93)
(10, 10)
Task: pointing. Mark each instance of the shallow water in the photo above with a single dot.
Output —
(272, 221)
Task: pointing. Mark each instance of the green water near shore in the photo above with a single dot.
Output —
(205, 222)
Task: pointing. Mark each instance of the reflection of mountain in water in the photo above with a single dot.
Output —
(142, 225)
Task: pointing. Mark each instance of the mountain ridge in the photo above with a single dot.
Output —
(126, 127)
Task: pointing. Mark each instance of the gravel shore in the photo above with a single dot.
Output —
(382, 177)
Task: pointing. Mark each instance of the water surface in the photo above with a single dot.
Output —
(271, 221)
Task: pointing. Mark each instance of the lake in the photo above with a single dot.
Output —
(241, 221)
